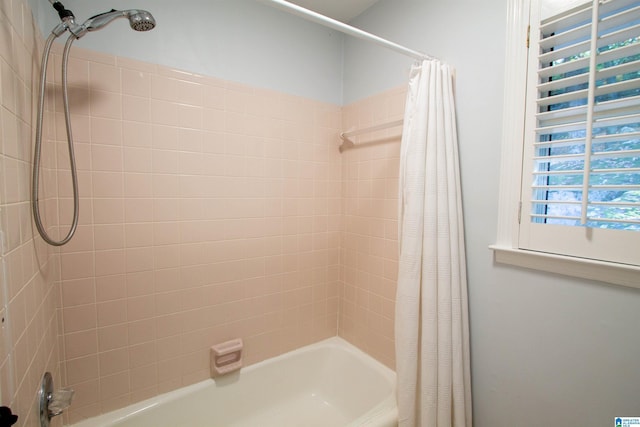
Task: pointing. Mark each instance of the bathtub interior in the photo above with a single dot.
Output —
(327, 384)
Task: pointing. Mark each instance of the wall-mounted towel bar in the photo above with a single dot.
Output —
(347, 143)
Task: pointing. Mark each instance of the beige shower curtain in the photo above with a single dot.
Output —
(432, 327)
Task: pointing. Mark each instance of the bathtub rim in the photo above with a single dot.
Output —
(385, 410)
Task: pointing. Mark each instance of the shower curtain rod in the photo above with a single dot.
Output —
(344, 28)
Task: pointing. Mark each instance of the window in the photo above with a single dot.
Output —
(580, 160)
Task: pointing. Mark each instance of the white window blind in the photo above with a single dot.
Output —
(581, 178)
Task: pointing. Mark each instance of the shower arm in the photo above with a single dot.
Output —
(67, 19)
(139, 20)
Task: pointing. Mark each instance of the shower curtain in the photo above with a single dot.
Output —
(432, 328)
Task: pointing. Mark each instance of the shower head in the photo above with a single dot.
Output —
(140, 20)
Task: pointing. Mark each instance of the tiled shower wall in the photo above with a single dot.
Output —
(28, 267)
(370, 225)
(210, 211)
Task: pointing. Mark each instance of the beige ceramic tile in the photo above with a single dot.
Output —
(227, 221)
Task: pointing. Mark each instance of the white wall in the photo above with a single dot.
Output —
(546, 350)
(238, 40)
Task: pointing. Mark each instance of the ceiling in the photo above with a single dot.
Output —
(342, 10)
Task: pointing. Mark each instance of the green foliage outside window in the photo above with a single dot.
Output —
(615, 164)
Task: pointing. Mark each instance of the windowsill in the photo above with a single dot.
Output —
(609, 272)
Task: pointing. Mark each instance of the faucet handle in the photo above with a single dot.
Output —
(59, 401)
(52, 403)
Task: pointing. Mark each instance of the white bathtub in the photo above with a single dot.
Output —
(327, 384)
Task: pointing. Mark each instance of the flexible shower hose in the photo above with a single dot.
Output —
(38, 144)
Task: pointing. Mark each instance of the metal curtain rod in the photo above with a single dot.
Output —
(344, 28)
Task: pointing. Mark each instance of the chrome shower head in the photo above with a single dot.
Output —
(140, 20)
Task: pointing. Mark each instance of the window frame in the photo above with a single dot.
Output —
(506, 248)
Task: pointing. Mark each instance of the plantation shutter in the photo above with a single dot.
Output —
(581, 179)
